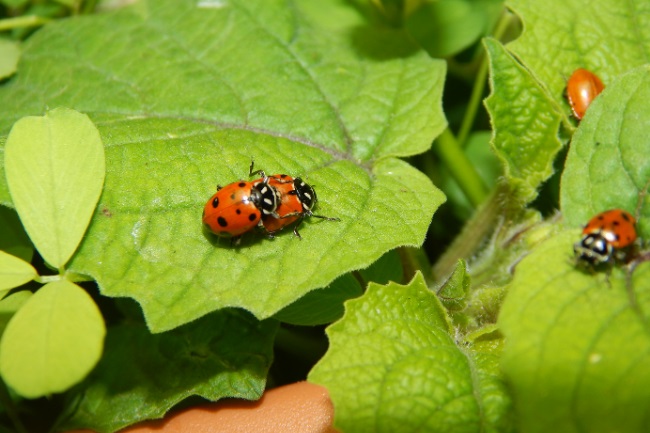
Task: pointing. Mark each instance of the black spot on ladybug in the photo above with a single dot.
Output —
(238, 211)
(232, 196)
(616, 223)
(625, 216)
(252, 217)
(215, 202)
(222, 222)
(241, 184)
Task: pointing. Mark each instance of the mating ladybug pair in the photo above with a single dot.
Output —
(270, 203)
(609, 237)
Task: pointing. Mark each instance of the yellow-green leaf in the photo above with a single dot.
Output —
(53, 341)
(55, 171)
(14, 272)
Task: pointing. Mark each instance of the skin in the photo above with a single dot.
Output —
(299, 407)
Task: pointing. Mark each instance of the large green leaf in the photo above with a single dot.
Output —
(53, 341)
(185, 94)
(56, 192)
(394, 365)
(577, 344)
(607, 165)
(142, 375)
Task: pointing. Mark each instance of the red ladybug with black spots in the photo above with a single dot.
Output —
(607, 238)
(239, 207)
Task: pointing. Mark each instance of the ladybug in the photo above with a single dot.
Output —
(581, 89)
(239, 207)
(607, 238)
(297, 199)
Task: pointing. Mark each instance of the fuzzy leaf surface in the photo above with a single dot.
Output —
(561, 36)
(53, 341)
(142, 375)
(607, 165)
(525, 124)
(393, 365)
(574, 337)
(181, 108)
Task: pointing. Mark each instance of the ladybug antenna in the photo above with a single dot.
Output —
(260, 172)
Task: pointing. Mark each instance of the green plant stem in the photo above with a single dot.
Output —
(470, 238)
(460, 167)
(8, 404)
(413, 260)
(474, 102)
(24, 21)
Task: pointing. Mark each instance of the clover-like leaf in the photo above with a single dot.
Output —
(577, 343)
(142, 375)
(561, 36)
(9, 305)
(53, 341)
(55, 172)
(393, 365)
(607, 165)
(186, 108)
(525, 124)
(14, 272)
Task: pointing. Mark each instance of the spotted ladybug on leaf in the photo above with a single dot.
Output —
(239, 207)
(607, 238)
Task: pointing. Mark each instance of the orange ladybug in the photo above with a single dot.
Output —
(581, 89)
(297, 199)
(239, 207)
(607, 238)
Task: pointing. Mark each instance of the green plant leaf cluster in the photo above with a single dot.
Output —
(393, 365)
(186, 109)
(141, 376)
(50, 340)
(505, 332)
(574, 338)
(146, 240)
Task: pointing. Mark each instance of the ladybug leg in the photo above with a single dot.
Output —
(235, 241)
(295, 228)
(219, 187)
(325, 217)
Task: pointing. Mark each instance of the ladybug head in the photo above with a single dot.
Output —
(594, 249)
